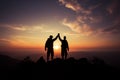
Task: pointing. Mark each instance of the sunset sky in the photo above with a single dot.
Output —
(85, 23)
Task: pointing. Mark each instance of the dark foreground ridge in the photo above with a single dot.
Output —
(57, 69)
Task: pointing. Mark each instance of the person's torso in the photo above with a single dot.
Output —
(50, 44)
(64, 44)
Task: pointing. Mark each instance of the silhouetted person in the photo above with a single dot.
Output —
(64, 47)
(49, 47)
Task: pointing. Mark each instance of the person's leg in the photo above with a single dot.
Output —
(66, 54)
(48, 55)
(62, 57)
(52, 54)
(62, 54)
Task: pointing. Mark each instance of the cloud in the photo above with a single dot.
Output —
(95, 19)
(90, 19)
(75, 6)
(113, 7)
(14, 27)
(25, 28)
(21, 28)
(4, 42)
(110, 10)
(80, 27)
(84, 17)
(71, 4)
(112, 29)
(94, 6)
(3, 39)
(78, 7)
(75, 26)
(10, 31)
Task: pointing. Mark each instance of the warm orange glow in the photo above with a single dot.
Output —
(76, 42)
(56, 47)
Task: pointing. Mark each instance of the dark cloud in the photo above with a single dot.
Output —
(112, 29)
(114, 7)
(77, 7)
(92, 16)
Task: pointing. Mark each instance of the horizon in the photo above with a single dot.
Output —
(110, 57)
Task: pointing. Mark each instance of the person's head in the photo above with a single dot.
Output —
(64, 37)
(51, 37)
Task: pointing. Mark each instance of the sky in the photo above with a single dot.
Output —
(87, 24)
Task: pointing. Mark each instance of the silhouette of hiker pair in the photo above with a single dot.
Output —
(50, 50)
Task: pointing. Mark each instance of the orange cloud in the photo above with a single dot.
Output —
(71, 4)
(75, 6)
(75, 26)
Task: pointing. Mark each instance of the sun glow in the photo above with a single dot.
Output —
(56, 47)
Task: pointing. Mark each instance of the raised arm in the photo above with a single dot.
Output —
(55, 38)
(59, 37)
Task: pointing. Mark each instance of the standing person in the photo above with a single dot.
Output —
(64, 47)
(49, 47)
